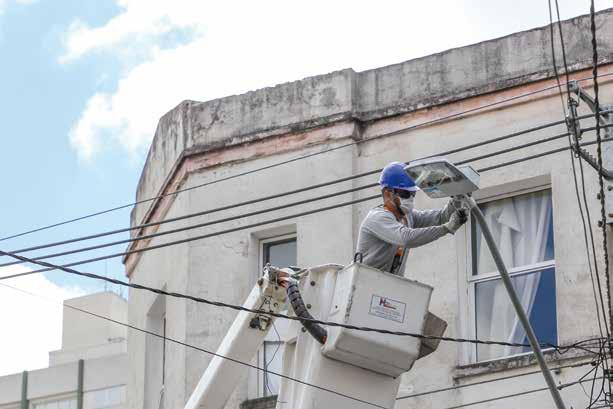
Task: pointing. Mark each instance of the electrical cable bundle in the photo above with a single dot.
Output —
(604, 354)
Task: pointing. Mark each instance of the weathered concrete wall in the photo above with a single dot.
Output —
(489, 66)
(389, 98)
(416, 84)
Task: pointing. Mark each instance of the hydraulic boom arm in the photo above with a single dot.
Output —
(240, 344)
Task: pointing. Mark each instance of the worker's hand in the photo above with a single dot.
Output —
(283, 281)
(456, 203)
(457, 219)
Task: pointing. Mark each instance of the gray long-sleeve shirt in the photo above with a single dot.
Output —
(381, 234)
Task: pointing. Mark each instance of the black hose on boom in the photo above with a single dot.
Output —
(295, 299)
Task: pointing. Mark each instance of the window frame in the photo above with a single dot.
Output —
(262, 243)
(261, 390)
(468, 353)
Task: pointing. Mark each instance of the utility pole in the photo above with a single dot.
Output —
(605, 118)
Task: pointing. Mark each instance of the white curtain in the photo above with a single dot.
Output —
(520, 226)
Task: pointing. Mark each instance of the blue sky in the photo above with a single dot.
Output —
(84, 82)
(42, 100)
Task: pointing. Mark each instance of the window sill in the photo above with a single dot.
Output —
(268, 402)
(514, 362)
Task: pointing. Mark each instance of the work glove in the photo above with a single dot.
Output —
(457, 219)
(456, 203)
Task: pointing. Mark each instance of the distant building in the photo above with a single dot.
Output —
(401, 112)
(89, 372)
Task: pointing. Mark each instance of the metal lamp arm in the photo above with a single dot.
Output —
(603, 118)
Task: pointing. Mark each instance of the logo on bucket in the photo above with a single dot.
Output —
(387, 308)
(384, 303)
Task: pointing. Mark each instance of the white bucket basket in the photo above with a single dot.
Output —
(367, 297)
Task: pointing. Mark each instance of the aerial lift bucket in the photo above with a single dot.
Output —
(365, 365)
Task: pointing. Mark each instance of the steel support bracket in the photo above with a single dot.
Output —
(605, 119)
(607, 163)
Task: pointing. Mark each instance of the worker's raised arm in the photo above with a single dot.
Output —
(385, 227)
(436, 217)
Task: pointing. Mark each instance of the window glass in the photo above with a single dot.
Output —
(281, 253)
(522, 227)
(496, 318)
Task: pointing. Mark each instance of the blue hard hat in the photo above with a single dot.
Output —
(393, 176)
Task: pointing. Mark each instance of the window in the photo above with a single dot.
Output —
(57, 404)
(523, 228)
(273, 359)
(105, 398)
(280, 252)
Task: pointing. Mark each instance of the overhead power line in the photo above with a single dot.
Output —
(266, 370)
(514, 395)
(277, 164)
(574, 171)
(206, 351)
(576, 147)
(320, 185)
(244, 215)
(253, 225)
(593, 277)
(577, 150)
(187, 240)
(296, 191)
(190, 227)
(597, 114)
(603, 222)
(284, 316)
(486, 381)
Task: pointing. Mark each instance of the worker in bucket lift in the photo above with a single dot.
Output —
(391, 229)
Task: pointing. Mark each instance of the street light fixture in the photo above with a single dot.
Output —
(438, 177)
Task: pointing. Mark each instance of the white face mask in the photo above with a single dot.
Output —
(407, 204)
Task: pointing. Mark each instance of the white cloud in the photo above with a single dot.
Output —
(32, 326)
(140, 23)
(240, 46)
(86, 135)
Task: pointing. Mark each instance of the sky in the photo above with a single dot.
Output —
(84, 83)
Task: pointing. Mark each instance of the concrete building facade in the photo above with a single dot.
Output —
(363, 120)
(88, 372)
